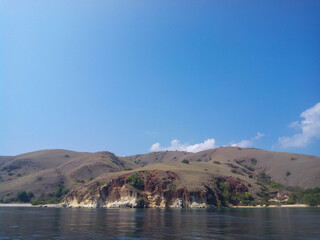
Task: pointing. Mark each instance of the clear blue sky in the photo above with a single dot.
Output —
(123, 75)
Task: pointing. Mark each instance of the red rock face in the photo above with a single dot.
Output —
(236, 185)
(161, 189)
(160, 180)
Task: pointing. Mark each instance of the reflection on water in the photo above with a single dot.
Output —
(57, 223)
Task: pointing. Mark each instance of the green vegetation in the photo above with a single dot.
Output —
(310, 197)
(59, 191)
(44, 201)
(137, 161)
(135, 181)
(236, 171)
(24, 196)
(265, 196)
(231, 197)
(216, 162)
(253, 161)
(264, 201)
(276, 185)
(185, 161)
(11, 167)
(52, 198)
(91, 178)
(117, 162)
(263, 177)
(249, 168)
(245, 166)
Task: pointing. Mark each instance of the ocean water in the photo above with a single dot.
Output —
(244, 223)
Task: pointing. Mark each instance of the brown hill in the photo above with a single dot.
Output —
(302, 170)
(42, 171)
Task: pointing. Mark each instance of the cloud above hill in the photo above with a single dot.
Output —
(207, 144)
(176, 145)
(248, 142)
(309, 128)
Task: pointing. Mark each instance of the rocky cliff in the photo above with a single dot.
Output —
(154, 188)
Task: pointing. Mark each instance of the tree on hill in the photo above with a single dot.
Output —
(135, 181)
(24, 196)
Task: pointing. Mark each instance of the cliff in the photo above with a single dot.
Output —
(154, 189)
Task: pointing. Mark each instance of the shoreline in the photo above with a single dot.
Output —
(60, 206)
(29, 205)
(277, 206)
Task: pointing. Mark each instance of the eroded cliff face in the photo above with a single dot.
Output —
(157, 189)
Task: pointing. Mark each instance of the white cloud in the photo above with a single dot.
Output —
(176, 145)
(309, 126)
(295, 124)
(248, 142)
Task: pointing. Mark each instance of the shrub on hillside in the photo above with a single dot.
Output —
(60, 191)
(185, 161)
(135, 181)
(253, 161)
(311, 197)
(24, 196)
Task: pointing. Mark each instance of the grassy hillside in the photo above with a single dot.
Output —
(42, 172)
(289, 169)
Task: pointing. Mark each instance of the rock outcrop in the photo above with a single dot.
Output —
(157, 189)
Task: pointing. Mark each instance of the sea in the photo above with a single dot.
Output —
(224, 223)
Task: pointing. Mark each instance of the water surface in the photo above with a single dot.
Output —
(246, 223)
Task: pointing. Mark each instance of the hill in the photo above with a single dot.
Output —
(42, 171)
(302, 170)
(103, 179)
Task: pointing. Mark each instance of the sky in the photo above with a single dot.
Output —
(138, 76)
